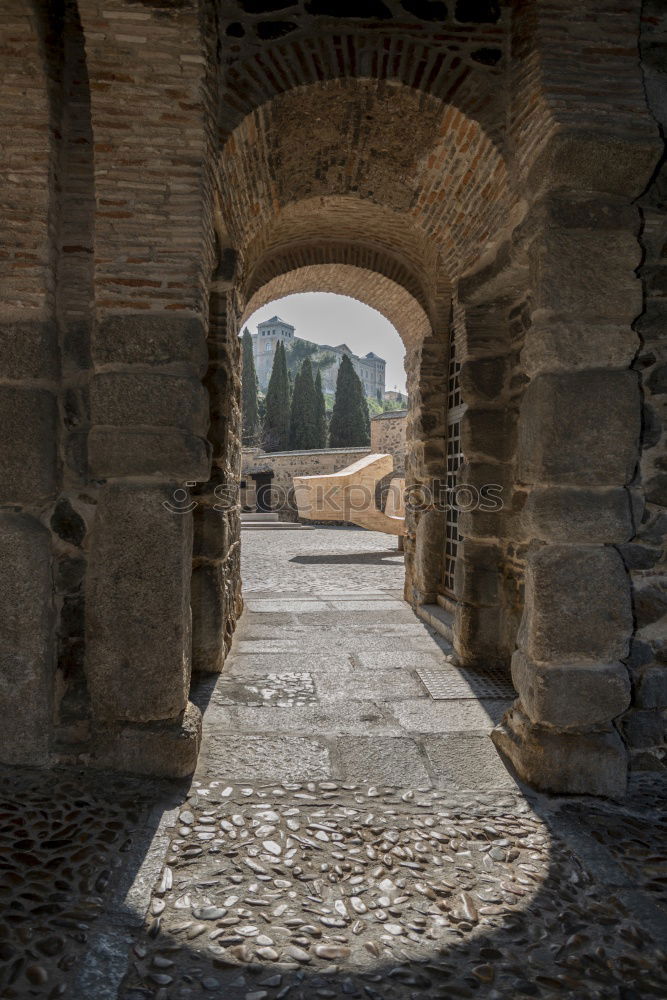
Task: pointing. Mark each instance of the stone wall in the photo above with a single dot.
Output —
(388, 432)
(284, 465)
(102, 358)
(644, 725)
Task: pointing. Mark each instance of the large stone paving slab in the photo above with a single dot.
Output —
(335, 642)
(265, 620)
(368, 684)
(248, 758)
(401, 657)
(419, 716)
(332, 717)
(382, 760)
(400, 618)
(466, 760)
(285, 605)
(259, 664)
(374, 605)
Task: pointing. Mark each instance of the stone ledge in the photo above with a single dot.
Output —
(439, 619)
(167, 749)
(593, 763)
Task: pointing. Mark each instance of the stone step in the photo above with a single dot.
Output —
(439, 619)
(261, 517)
(274, 526)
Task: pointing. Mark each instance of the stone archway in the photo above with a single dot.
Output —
(425, 354)
(459, 164)
(402, 218)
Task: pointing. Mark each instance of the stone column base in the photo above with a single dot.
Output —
(592, 763)
(164, 749)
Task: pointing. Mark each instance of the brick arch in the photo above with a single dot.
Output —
(333, 255)
(384, 145)
(374, 289)
(269, 54)
(342, 229)
(424, 336)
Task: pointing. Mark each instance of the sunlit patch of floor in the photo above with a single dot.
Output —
(328, 890)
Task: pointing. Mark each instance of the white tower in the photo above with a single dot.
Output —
(264, 342)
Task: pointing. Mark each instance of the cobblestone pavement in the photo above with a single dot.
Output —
(345, 835)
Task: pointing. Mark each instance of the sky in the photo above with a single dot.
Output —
(326, 318)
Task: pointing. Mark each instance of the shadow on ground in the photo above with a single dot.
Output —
(349, 558)
(488, 895)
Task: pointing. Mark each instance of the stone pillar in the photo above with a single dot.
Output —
(149, 412)
(426, 367)
(578, 439)
(29, 373)
(489, 336)
(147, 444)
(216, 576)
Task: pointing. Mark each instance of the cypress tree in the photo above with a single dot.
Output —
(363, 406)
(295, 404)
(320, 412)
(249, 394)
(350, 421)
(303, 419)
(276, 422)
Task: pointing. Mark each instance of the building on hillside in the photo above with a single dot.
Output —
(395, 396)
(269, 335)
(370, 368)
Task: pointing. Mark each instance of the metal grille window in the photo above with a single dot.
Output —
(454, 459)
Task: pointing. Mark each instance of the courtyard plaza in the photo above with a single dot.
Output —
(350, 830)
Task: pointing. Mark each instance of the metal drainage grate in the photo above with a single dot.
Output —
(447, 683)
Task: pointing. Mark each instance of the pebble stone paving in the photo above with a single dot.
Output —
(335, 841)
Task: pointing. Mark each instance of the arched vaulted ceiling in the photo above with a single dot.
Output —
(456, 50)
(364, 162)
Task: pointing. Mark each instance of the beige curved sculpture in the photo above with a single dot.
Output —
(349, 495)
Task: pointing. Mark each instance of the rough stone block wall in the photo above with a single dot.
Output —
(490, 320)
(426, 369)
(644, 725)
(216, 576)
(46, 265)
(388, 432)
(108, 253)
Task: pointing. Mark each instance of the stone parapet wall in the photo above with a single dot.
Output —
(388, 437)
(284, 465)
